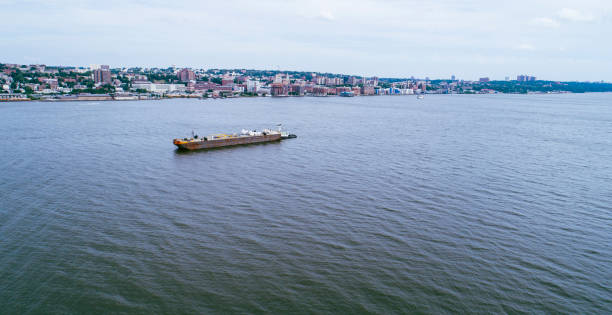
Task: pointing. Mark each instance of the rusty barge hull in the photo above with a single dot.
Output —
(224, 142)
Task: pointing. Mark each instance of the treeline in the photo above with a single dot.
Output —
(543, 86)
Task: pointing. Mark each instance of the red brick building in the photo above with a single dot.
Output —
(185, 75)
(102, 75)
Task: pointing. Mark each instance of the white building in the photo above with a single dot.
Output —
(264, 90)
(158, 87)
(237, 88)
(253, 86)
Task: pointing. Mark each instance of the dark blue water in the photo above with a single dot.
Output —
(484, 204)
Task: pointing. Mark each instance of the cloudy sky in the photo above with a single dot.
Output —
(557, 40)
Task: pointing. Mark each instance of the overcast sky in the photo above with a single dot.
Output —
(557, 40)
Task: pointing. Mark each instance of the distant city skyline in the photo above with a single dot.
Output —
(552, 40)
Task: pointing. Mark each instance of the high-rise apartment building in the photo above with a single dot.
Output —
(185, 75)
(523, 78)
(102, 75)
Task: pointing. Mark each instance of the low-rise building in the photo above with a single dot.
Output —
(319, 91)
(158, 87)
(13, 97)
(204, 86)
(33, 86)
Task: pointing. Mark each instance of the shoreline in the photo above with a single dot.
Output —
(110, 98)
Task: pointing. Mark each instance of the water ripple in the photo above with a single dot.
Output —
(452, 204)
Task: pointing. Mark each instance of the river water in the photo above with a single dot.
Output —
(456, 203)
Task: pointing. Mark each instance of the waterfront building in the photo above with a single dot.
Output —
(83, 97)
(263, 91)
(278, 89)
(13, 97)
(297, 89)
(367, 90)
(341, 89)
(159, 87)
(252, 86)
(319, 91)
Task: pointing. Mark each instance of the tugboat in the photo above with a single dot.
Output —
(225, 140)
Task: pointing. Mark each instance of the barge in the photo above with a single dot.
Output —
(226, 140)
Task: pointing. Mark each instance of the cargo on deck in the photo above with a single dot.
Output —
(224, 140)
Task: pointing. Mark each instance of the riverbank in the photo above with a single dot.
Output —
(146, 97)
